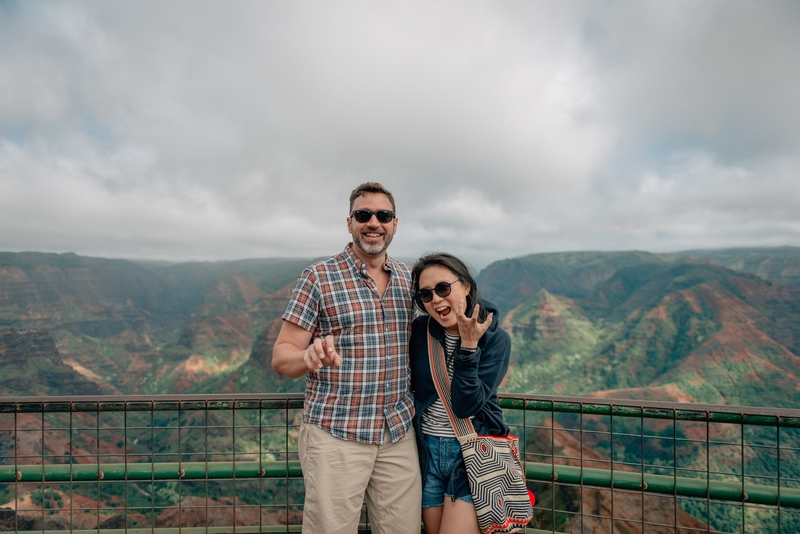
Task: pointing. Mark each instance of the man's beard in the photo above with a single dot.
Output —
(372, 249)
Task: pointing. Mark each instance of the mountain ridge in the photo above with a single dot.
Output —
(619, 320)
(717, 335)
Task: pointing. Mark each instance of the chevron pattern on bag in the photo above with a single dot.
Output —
(496, 480)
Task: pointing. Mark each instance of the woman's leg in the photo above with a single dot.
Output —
(432, 519)
(435, 484)
(458, 517)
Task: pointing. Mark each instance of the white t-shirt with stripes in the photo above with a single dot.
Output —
(434, 418)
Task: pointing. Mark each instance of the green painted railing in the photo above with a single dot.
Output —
(690, 487)
(698, 477)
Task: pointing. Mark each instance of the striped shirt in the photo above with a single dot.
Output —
(336, 297)
(435, 421)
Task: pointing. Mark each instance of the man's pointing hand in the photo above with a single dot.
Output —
(321, 352)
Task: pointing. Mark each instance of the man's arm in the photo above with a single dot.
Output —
(293, 355)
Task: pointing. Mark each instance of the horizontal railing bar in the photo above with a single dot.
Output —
(739, 415)
(6, 406)
(243, 529)
(564, 474)
(147, 400)
(588, 405)
(665, 484)
(148, 471)
(184, 530)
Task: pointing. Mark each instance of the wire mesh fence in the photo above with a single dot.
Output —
(229, 464)
(136, 464)
(603, 465)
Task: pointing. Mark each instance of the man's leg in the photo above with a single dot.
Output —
(336, 473)
(394, 493)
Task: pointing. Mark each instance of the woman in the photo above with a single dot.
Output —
(477, 353)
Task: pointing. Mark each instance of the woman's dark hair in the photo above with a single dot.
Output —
(459, 269)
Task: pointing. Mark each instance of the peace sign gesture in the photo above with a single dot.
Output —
(469, 328)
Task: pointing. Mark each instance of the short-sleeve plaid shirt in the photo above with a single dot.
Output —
(336, 297)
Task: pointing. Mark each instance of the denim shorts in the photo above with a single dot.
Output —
(446, 475)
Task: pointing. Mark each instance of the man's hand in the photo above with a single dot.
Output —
(295, 353)
(322, 352)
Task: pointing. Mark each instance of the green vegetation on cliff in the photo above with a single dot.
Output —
(147, 327)
(669, 330)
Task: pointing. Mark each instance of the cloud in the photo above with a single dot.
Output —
(715, 74)
(200, 130)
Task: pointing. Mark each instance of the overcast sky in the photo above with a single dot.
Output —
(225, 130)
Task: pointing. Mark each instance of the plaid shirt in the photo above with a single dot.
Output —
(337, 297)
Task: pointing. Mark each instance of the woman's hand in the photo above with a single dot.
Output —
(470, 329)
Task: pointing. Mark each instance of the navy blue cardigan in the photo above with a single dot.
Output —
(476, 378)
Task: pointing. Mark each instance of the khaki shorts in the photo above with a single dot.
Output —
(339, 473)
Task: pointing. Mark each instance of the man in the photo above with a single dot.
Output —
(346, 328)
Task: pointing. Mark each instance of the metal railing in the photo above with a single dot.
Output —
(225, 463)
(606, 465)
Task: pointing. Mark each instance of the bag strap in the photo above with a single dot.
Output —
(462, 427)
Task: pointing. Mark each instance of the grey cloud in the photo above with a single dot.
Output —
(720, 74)
(208, 130)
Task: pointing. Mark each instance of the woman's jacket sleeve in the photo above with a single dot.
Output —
(477, 376)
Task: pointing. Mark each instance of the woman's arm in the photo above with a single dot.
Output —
(477, 375)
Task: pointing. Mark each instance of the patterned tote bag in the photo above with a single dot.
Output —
(495, 473)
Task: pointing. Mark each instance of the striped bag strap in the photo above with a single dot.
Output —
(462, 427)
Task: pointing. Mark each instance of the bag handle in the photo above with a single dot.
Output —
(462, 427)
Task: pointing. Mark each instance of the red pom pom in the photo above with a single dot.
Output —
(532, 497)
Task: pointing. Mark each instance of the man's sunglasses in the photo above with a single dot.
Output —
(364, 216)
(442, 289)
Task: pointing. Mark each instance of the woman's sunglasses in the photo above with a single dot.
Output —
(442, 289)
(363, 216)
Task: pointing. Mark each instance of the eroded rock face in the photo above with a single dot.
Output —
(81, 514)
(202, 512)
(12, 521)
(31, 365)
(134, 328)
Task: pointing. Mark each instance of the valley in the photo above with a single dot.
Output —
(715, 327)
